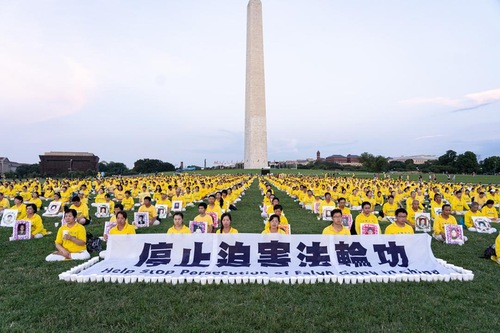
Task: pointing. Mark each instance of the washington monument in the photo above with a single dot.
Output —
(255, 96)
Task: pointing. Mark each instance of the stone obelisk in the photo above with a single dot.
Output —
(255, 97)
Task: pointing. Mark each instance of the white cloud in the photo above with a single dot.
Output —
(485, 96)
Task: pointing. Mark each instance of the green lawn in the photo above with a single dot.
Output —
(32, 299)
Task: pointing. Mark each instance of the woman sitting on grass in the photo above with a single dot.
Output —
(226, 227)
(71, 241)
(274, 222)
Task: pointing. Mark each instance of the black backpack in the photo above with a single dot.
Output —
(94, 244)
(490, 251)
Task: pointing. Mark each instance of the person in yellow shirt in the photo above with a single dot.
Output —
(122, 227)
(37, 229)
(439, 222)
(214, 207)
(458, 203)
(437, 203)
(4, 203)
(178, 227)
(71, 240)
(390, 207)
(179, 197)
(414, 208)
(204, 217)
(489, 211)
(473, 212)
(400, 226)
(327, 202)
(345, 210)
(20, 207)
(36, 200)
(365, 216)
(81, 209)
(278, 211)
(336, 227)
(128, 202)
(496, 257)
(226, 227)
(151, 210)
(274, 228)
(99, 198)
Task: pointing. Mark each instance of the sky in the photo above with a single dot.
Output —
(165, 79)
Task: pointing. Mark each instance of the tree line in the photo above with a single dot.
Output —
(449, 162)
(141, 166)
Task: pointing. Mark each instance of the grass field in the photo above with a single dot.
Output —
(32, 299)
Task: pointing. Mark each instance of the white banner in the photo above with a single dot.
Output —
(236, 258)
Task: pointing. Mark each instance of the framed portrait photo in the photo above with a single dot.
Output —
(347, 220)
(102, 210)
(161, 211)
(370, 229)
(9, 218)
(54, 208)
(21, 230)
(454, 234)
(177, 206)
(141, 219)
(215, 218)
(482, 224)
(198, 227)
(423, 222)
(326, 214)
(107, 227)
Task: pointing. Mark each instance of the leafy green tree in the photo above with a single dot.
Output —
(491, 165)
(152, 166)
(467, 162)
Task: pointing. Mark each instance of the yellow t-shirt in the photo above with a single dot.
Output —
(78, 231)
(361, 218)
(151, 211)
(330, 231)
(128, 203)
(283, 221)
(184, 230)
(206, 218)
(468, 217)
(83, 210)
(394, 229)
(4, 204)
(439, 223)
(390, 210)
(490, 212)
(280, 231)
(127, 230)
(36, 225)
(231, 231)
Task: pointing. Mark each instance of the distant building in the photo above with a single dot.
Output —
(8, 166)
(417, 159)
(341, 159)
(54, 163)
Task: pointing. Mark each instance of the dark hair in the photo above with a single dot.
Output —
(119, 206)
(365, 203)
(122, 213)
(328, 193)
(32, 206)
(341, 199)
(280, 207)
(389, 197)
(202, 204)
(178, 213)
(274, 216)
(128, 192)
(489, 202)
(400, 210)
(71, 211)
(222, 225)
(75, 199)
(445, 205)
(18, 197)
(107, 195)
(147, 198)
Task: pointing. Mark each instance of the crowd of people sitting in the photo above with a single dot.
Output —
(366, 201)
